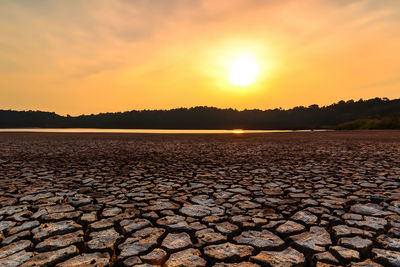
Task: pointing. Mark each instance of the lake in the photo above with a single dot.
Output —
(152, 131)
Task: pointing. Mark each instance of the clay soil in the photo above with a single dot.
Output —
(273, 199)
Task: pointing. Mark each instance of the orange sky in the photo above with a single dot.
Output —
(92, 56)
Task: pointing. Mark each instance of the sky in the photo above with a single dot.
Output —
(90, 56)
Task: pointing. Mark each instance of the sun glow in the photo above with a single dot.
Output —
(243, 70)
(238, 131)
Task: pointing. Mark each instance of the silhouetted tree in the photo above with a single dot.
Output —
(312, 117)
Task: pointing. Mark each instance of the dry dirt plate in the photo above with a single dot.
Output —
(278, 199)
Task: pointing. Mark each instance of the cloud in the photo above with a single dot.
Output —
(138, 43)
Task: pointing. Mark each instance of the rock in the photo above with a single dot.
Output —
(213, 219)
(228, 251)
(10, 210)
(290, 228)
(32, 198)
(242, 264)
(175, 222)
(23, 227)
(14, 248)
(51, 258)
(103, 240)
(156, 257)
(175, 242)
(286, 258)
(90, 207)
(209, 236)
(372, 223)
(60, 216)
(96, 259)
(386, 257)
(21, 216)
(78, 201)
(4, 225)
(59, 209)
(140, 242)
(49, 229)
(265, 239)
(134, 225)
(196, 226)
(388, 242)
(325, 257)
(345, 254)
(187, 258)
(16, 259)
(150, 215)
(39, 214)
(352, 216)
(203, 200)
(344, 230)
(60, 241)
(101, 225)
(314, 241)
(305, 217)
(162, 205)
(195, 210)
(366, 263)
(322, 264)
(111, 212)
(247, 221)
(132, 261)
(246, 205)
(16, 237)
(88, 218)
(87, 181)
(357, 243)
(394, 231)
(227, 228)
(370, 209)
(310, 202)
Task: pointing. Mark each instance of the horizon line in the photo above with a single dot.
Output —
(235, 109)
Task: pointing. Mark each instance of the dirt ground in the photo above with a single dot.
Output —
(265, 199)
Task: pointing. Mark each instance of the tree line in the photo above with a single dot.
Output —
(311, 117)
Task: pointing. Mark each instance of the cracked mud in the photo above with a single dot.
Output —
(281, 199)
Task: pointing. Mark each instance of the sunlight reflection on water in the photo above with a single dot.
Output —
(153, 131)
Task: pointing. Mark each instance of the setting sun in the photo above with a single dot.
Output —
(243, 70)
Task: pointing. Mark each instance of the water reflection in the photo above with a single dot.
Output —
(153, 131)
(238, 131)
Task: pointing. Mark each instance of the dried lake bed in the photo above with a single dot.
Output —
(260, 199)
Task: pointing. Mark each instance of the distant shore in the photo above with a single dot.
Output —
(155, 131)
(374, 113)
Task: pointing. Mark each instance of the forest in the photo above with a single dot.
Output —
(376, 113)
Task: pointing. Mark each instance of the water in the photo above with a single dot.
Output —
(152, 131)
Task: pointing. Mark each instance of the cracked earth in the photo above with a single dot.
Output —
(279, 199)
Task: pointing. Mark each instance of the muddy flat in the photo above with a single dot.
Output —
(274, 199)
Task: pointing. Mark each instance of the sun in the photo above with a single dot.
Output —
(243, 70)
